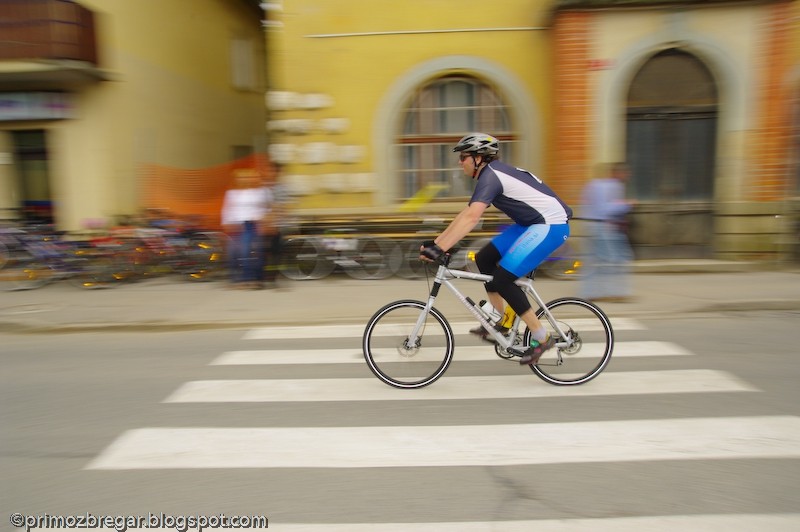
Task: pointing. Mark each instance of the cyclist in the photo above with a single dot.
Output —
(540, 226)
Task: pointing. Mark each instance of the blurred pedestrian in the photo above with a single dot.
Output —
(540, 226)
(606, 270)
(243, 211)
(273, 224)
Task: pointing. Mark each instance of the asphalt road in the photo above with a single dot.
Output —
(142, 424)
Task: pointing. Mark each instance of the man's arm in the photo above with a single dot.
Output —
(461, 225)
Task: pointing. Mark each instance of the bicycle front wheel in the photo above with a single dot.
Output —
(590, 340)
(397, 361)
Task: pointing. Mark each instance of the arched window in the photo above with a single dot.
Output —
(436, 117)
(672, 128)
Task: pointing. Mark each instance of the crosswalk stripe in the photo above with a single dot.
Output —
(462, 353)
(357, 330)
(442, 446)
(659, 523)
(479, 387)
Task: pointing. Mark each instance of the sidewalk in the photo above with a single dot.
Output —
(662, 288)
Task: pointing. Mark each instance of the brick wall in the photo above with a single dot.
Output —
(570, 166)
(770, 169)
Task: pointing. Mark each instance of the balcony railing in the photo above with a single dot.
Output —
(46, 29)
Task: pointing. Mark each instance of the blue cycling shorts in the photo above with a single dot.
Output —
(523, 248)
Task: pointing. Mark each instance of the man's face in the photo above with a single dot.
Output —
(469, 162)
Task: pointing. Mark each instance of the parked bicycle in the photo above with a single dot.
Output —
(410, 344)
(173, 246)
(33, 257)
(359, 256)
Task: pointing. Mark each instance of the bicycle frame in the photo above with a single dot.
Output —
(445, 276)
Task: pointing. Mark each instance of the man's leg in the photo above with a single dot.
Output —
(486, 260)
(527, 253)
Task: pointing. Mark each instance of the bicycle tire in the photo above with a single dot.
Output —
(388, 355)
(594, 342)
(303, 260)
(373, 257)
(409, 265)
(24, 272)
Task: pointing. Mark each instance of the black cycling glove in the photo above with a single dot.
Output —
(431, 250)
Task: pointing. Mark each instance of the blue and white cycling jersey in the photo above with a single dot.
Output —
(522, 196)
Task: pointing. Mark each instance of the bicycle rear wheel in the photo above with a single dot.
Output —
(389, 354)
(590, 352)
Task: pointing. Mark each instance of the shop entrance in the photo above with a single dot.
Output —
(33, 175)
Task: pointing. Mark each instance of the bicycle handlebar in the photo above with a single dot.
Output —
(447, 256)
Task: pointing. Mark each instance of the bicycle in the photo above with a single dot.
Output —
(359, 255)
(410, 344)
(38, 256)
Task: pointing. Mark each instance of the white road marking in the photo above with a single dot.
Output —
(357, 330)
(660, 523)
(462, 353)
(476, 387)
(467, 446)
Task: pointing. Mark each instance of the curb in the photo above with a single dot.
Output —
(166, 326)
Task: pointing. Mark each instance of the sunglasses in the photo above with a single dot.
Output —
(462, 156)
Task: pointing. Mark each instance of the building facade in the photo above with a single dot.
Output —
(93, 91)
(108, 107)
(700, 98)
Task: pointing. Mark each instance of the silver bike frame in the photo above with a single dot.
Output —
(445, 275)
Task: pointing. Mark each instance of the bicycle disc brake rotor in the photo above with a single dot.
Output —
(406, 350)
(576, 343)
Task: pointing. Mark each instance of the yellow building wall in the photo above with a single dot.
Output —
(355, 53)
(171, 102)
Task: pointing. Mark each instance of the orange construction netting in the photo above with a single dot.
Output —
(192, 193)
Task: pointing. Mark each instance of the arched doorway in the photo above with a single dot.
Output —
(671, 141)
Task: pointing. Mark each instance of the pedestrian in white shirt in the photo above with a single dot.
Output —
(243, 209)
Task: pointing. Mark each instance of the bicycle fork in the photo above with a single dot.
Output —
(413, 341)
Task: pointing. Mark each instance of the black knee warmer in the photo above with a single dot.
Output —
(487, 258)
(503, 283)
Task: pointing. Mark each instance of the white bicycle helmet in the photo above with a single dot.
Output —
(479, 144)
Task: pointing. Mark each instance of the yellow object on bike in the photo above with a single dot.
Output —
(508, 318)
